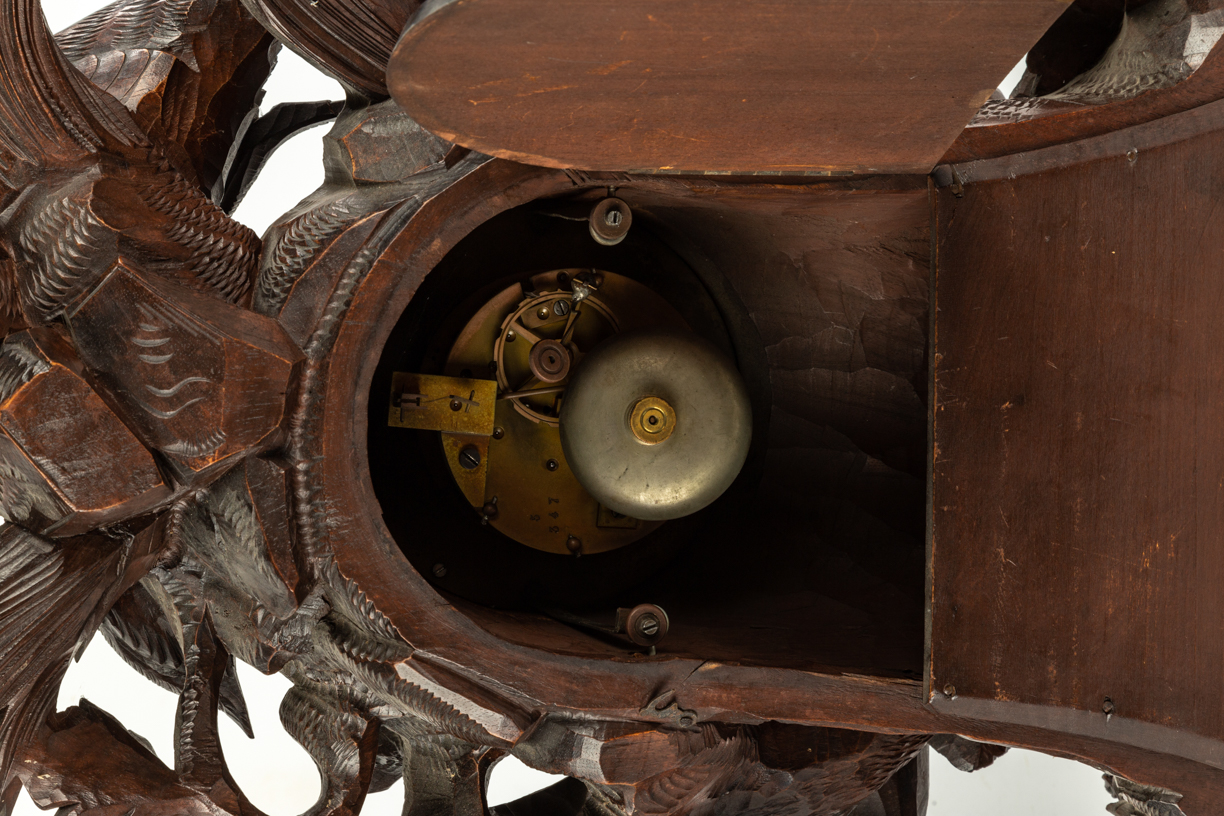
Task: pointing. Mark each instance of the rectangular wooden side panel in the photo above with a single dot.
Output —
(1078, 483)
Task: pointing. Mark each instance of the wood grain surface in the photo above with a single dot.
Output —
(1079, 435)
(776, 86)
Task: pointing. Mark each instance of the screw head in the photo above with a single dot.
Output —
(456, 405)
(574, 544)
(949, 691)
(543, 313)
(1108, 706)
(609, 221)
(551, 465)
(490, 508)
(510, 335)
(648, 625)
(499, 432)
(469, 458)
(439, 570)
(561, 308)
(686, 722)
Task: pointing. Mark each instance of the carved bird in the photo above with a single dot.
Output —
(83, 186)
(107, 236)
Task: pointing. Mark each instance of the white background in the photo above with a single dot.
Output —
(278, 776)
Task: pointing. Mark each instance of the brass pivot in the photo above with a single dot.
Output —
(652, 420)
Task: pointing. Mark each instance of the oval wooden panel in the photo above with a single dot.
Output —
(772, 86)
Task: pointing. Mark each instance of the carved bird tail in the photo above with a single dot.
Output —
(52, 116)
(53, 595)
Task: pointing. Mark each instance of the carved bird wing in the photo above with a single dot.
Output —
(105, 226)
(94, 186)
(191, 73)
(53, 594)
(53, 117)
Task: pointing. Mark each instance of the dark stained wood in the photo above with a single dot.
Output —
(1020, 125)
(714, 86)
(55, 595)
(86, 757)
(46, 408)
(350, 39)
(152, 56)
(189, 464)
(1077, 434)
(1076, 42)
(200, 380)
(138, 630)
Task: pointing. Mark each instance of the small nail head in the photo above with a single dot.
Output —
(949, 691)
(551, 465)
(1107, 706)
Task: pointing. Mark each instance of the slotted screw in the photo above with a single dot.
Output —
(469, 458)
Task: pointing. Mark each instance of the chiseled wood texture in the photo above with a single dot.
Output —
(350, 39)
(1011, 126)
(1079, 436)
(242, 372)
(129, 282)
(199, 379)
(155, 55)
(70, 465)
(712, 86)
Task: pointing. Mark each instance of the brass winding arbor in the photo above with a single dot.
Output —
(977, 339)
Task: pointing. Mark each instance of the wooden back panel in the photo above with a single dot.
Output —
(1077, 531)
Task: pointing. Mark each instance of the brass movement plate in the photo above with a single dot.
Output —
(471, 480)
(538, 506)
(448, 404)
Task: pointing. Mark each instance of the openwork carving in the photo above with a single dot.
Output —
(195, 459)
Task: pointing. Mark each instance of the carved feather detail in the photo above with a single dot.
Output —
(291, 252)
(60, 246)
(50, 593)
(223, 255)
(349, 599)
(51, 115)
(138, 631)
(18, 365)
(129, 25)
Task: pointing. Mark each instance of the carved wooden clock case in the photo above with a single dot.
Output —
(719, 404)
